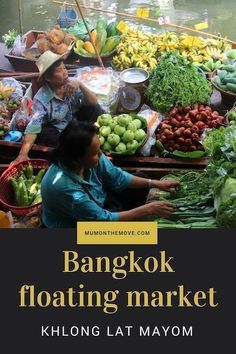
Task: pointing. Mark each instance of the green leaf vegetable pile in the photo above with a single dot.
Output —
(176, 83)
(220, 145)
(194, 202)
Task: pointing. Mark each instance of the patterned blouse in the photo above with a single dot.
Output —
(49, 108)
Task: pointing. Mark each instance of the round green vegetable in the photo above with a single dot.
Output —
(132, 126)
(104, 119)
(128, 136)
(119, 130)
(138, 123)
(105, 131)
(113, 139)
(121, 147)
(139, 135)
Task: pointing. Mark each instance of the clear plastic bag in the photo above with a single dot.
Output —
(105, 83)
(14, 84)
(153, 120)
(19, 46)
(22, 116)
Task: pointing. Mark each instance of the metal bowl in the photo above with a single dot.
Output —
(134, 76)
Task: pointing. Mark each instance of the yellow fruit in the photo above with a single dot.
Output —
(79, 44)
(94, 35)
(89, 47)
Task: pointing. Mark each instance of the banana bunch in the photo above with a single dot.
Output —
(167, 41)
(220, 43)
(6, 91)
(214, 53)
(136, 49)
(143, 50)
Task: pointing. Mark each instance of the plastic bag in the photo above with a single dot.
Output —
(79, 29)
(14, 84)
(153, 120)
(105, 83)
(19, 46)
(22, 116)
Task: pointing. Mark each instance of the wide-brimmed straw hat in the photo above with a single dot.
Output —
(46, 60)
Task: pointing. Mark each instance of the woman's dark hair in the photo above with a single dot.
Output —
(49, 71)
(74, 142)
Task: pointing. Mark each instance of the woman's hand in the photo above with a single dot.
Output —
(161, 208)
(20, 158)
(72, 86)
(168, 185)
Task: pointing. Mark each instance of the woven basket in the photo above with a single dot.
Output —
(67, 17)
(6, 190)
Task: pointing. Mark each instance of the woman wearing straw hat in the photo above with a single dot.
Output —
(56, 103)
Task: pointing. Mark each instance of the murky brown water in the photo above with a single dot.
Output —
(40, 15)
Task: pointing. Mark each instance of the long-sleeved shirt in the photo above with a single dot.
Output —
(68, 198)
(48, 108)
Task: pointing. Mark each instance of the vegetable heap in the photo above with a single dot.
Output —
(221, 147)
(226, 78)
(122, 134)
(13, 103)
(182, 129)
(26, 186)
(194, 202)
(231, 116)
(176, 83)
(4, 127)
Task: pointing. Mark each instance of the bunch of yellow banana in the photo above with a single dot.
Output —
(220, 43)
(6, 91)
(135, 45)
(136, 49)
(214, 53)
(167, 41)
(187, 42)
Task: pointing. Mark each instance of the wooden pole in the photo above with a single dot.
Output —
(88, 30)
(148, 20)
(20, 16)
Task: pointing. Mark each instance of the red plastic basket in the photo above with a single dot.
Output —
(6, 190)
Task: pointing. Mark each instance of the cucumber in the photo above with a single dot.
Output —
(231, 87)
(229, 68)
(217, 80)
(222, 74)
(229, 80)
(223, 87)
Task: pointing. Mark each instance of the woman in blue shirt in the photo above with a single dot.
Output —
(77, 184)
(56, 103)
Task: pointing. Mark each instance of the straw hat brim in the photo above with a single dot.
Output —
(46, 60)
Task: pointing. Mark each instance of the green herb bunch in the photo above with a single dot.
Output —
(9, 38)
(176, 83)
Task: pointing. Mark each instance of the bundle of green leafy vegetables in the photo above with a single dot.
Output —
(175, 82)
(194, 202)
(220, 145)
